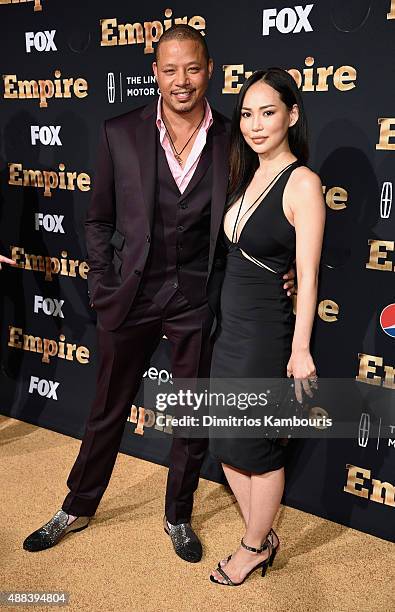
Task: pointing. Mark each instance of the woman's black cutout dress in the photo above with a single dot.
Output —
(256, 322)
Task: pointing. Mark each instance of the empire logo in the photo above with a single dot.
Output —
(384, 144)
(48, 179)
(379, 250)
(307, 79)
(37, 3)
(391, 14)
(147, 33)
(356, 479)
(47, 347)
(44, 89)
(49, 266)
(368, 365)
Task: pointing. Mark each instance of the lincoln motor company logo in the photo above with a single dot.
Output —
(386, 200)
(121, 87)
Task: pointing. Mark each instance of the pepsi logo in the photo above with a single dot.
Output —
(387, 320)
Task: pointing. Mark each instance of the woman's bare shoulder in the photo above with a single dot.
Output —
(305, 178)
(304, 186)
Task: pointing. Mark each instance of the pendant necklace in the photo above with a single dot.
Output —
(177, 154)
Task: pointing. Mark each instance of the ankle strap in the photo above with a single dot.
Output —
(264, 546)
(270, 536)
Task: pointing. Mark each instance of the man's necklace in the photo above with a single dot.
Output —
(177, 154)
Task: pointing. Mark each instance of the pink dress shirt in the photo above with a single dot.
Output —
(182, 175)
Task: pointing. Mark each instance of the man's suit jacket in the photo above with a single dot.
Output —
(120, 214)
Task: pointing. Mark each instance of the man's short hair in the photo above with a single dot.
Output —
(182, 31)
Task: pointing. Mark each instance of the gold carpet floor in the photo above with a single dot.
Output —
(124, 561)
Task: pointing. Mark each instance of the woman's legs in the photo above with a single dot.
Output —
(266, 492)
(259, 509)
(240, 483)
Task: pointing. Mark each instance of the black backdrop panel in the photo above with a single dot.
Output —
(341, 54)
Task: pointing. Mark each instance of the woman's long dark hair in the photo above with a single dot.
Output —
(243, 160)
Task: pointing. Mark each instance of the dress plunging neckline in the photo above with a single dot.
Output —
(266, 193)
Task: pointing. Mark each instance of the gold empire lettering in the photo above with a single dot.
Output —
(49, 266)
(391, 14)
(387, 131)
(47, 347)
(44, 89)
(144, 417)
(378, 255)
(37, 3)
(327, 310)
(309, 79)
(356, 477)
(335, 197)
(368, 365)
(48, 179)
(147, 33)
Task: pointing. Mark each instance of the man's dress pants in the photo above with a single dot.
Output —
(124, 355)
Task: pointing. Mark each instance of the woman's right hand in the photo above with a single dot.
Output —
(301, 367)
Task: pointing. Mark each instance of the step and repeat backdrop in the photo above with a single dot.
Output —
(68, 65)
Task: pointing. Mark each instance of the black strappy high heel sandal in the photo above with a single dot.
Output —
(272, 556)
(267, 545)
(274, 548)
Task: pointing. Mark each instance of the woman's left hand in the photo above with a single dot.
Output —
(301, 367)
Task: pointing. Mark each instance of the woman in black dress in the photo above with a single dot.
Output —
(275, 212)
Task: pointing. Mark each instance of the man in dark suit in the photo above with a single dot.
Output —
(151, 232)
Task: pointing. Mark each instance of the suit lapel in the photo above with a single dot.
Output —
(201, 168)
(146, 136)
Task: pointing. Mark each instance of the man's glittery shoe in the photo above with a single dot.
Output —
(185, 541)
(52, 532)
